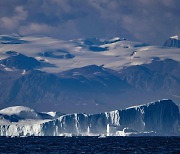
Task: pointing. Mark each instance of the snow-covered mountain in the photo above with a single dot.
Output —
(65, 55)
(173, 42)
(85, 75)
(156, 118)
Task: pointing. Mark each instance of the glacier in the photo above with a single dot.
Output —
(160, 118)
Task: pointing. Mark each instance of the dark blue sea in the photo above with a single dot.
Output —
(90, 145)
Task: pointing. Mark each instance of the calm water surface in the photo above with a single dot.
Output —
(90, 145)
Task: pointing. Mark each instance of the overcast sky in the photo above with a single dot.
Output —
(150, 21)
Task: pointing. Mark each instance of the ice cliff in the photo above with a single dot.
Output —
(173, 42)
(156, 118)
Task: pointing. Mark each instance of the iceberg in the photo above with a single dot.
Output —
(156, 118)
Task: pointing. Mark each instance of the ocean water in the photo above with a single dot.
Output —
(90, 145)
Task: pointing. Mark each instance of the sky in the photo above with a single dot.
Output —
(149, 21)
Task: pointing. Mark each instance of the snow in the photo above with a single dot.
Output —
(8, 69)
(116, 57)
(24, 72)
(148, 119)
(15, 110)
(53, 114)
(115, 39)
(174, 37)
(24, 121)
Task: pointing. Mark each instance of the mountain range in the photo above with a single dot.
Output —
(86, 75)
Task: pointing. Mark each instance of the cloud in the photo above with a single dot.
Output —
(14, 21)
(60, 30)
(149, 21)
(34, 28)
(145, 20)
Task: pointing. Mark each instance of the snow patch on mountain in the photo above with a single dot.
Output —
(64, 55)
(175, 37)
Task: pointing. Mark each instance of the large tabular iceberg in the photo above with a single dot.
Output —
(157, 118)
